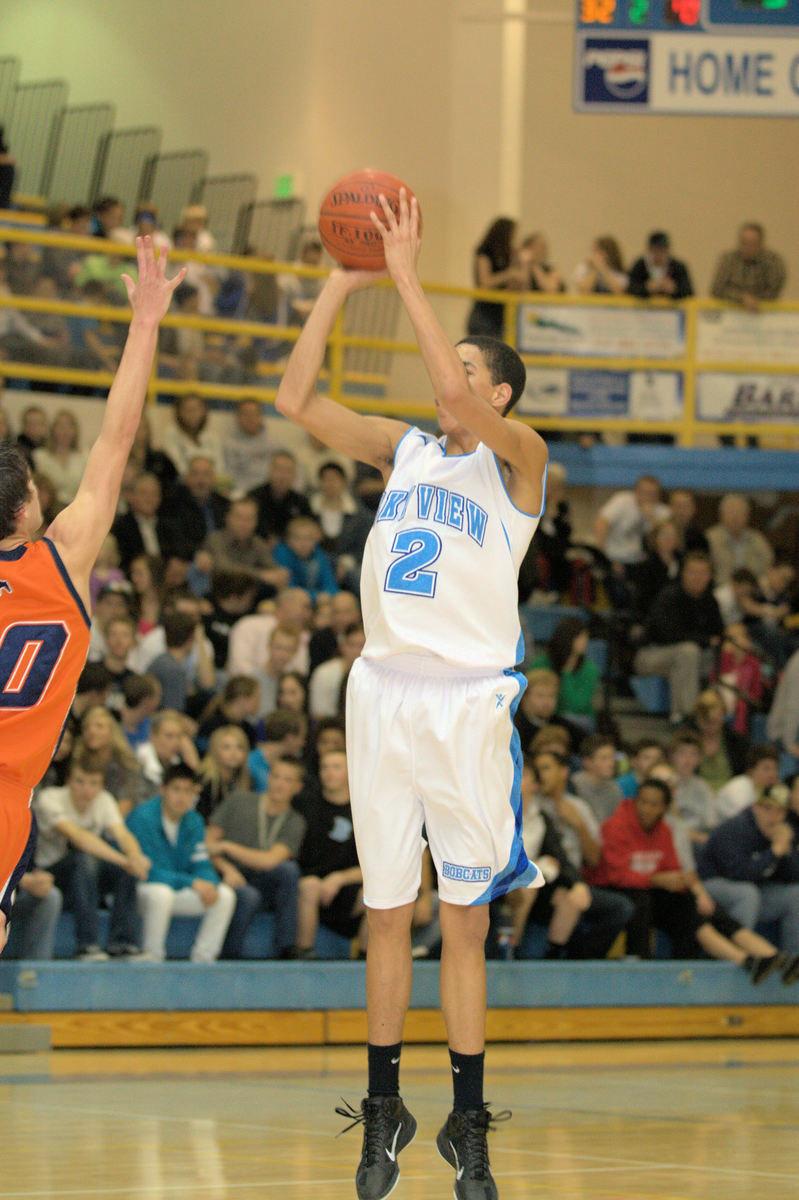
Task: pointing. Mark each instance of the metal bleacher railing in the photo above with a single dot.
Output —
(77, 133)
(341, 376)
(224, 197)
(9, 73)
(30, 120)
(168, 180)
(595, 364)
(120, 161)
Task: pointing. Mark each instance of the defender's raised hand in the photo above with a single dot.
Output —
(151, 295)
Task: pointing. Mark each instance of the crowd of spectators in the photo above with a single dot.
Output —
(203, 768)
(504, 261)
(187, 352)
(696, 828)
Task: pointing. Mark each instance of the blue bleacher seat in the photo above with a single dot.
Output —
(540, 620)
(757, 728)
(258, 944)
(652, 693)
(534, 942)
(598, 652)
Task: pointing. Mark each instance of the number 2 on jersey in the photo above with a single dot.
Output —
(28, 656)
(418, 549)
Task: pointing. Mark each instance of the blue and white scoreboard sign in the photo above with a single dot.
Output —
(706, 57)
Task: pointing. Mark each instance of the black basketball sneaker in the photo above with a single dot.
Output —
(463, 1143)
(388, 1128)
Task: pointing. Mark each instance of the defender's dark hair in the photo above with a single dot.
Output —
(14, 483)
(503, 363)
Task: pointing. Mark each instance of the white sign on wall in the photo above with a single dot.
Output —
(732, 75)
(592, 394)
(602, 331)
(755, 398)
(732, 335)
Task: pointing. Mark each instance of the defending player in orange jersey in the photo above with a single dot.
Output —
(44, 585)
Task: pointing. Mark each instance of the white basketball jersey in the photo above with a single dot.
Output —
(441, 564)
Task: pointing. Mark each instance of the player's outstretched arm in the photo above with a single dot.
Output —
(79, 530)
(370, 439)
(513, 442)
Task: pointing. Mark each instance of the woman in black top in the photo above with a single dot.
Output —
(496, 265)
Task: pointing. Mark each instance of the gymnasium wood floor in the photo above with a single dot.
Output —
(666, 1121)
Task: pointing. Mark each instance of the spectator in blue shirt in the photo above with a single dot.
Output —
(646, 753)
(750, 866)
(181, 880)
(309, 565)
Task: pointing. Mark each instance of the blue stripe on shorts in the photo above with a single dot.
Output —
(519, 872)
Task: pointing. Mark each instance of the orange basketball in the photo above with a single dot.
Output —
(345, 226)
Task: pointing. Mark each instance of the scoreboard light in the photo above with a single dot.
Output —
(597, 12)
(683, 12)
(739, 17)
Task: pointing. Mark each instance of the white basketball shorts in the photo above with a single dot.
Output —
(434, 746)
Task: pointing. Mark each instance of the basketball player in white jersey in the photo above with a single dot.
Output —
(430, 736)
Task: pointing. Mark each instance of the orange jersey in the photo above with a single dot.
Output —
(44, 640)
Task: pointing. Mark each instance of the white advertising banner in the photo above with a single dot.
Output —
(755, 398)
(733, 335)
(711, 74)
(599, 394)
(597, 331)
(655, 396)
(546, 394)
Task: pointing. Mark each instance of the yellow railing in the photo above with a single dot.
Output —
(370, 391)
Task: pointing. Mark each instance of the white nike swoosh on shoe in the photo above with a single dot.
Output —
(392, 1153)
(458, 1167)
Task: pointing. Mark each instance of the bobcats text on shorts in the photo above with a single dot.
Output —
(467, 874)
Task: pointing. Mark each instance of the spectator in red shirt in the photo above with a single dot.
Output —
(640, 860)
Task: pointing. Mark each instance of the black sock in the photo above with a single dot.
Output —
(554, 950)
(467, 1080)
(384, 1069)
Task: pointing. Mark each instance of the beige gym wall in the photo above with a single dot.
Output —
(415, 86)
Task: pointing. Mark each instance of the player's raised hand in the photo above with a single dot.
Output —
(401, 238)
(151, 294)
